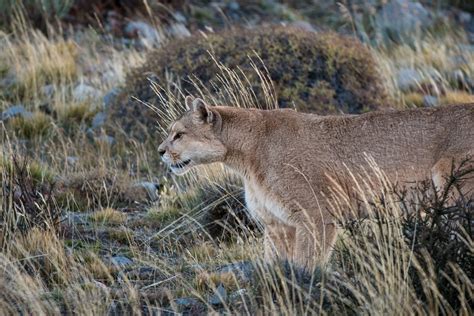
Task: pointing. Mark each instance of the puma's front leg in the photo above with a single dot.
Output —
(313, 244)
(279, 241)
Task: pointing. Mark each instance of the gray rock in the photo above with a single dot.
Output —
(179, 17)
(109, 97)
(121, 261)
(75, 219)
(14, 111)
(106, 139)
(242, 270)
(90, 134)
(99, 120)
(403, 16)
(151, 189)
(464, 17)
(48, 90)
(179, 30)
(233, 5)
(83, 92)
(219, 297)
(239, 295)
(72, 160)
(186, 302)
(430, 101)
(408, 78)
(147, 34)
(303, 25)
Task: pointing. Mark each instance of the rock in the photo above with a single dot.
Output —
(75, 219)
(179, 30)
(83, 92)
(90, 134)
(239, 296)
(121, 261)
(430, 101)
(464, 17)
(109, 97)
(105, 139)
(151, 189)
(185, 302)
(179, 17)
(306, 26)
(190, 306)
(47, 90)
(147, 34)
(14, 111)
(243, 270)
(219, 297)
(408, 78)
(100, 285)
(99, 120)
(233, 5)
(403, 17)
(72, 160)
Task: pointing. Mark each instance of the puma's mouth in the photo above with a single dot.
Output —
(181, 167)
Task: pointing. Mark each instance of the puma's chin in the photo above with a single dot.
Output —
(181, 167)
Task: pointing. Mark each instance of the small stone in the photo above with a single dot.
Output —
(408, 78)
(242, 270)
(14, 111)
(105, 139)
(239, 295)
(100, 285)
(99, 120)
(179, 30)
(219, 297)
(179, 17)
(303, 25)
(148, 35)
(48, 90)
(233, 5)
(430, 101)
(72, 160)
(121, 261)
(83, 92)
(403, 16)
(109, 97)
(75, 219)
(464, 17)
(90, 134)
(185, 302)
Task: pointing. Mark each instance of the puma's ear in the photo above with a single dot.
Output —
(202, 111)
(188, 101)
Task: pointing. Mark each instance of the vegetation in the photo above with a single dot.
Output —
(320, 73)
(92, 223)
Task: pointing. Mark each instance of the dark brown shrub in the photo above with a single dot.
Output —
(316, 72)
(27, 199)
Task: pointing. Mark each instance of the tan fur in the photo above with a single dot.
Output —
(284, 158)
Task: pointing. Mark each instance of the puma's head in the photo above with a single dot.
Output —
(194, 138)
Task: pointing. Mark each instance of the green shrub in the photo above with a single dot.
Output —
(315, 72)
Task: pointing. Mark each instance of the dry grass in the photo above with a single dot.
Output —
(182, 246)
(109, 216)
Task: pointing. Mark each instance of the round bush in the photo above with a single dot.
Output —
(322, 73)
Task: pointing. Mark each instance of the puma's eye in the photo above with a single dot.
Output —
(178, 136)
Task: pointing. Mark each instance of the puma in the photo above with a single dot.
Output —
(284, 158)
